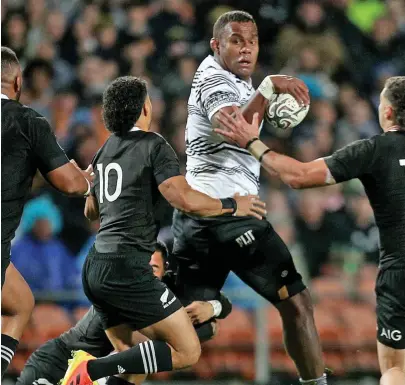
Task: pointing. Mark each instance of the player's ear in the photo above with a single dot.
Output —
(214, 44)
(17, 84)
(388, 113)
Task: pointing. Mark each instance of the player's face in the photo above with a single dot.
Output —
(238, 48)
(385, 111)
(157, 263)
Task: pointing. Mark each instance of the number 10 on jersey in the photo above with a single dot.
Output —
(104, 179)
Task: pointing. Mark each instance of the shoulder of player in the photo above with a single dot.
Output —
(33, 116)
(22, 110)
(154, 138)
(218, 75)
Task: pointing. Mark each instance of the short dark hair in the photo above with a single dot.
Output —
(123, 100)
(8, 59)
(395, 93)
(162, 248)
(230, 17)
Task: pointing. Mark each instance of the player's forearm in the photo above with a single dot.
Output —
(69, 180)
(257, 103)
(197, 203)
(292, 172)
(181, 196)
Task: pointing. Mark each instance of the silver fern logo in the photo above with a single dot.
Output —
(284, 112)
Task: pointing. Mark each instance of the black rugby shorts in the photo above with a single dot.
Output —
(207, 249)
(124, 290)
(390, 291)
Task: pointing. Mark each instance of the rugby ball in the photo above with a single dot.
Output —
(284, 112)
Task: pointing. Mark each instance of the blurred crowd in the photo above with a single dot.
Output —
(71, 49)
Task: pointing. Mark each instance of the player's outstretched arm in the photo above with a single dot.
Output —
(296, 174)
(181, 196)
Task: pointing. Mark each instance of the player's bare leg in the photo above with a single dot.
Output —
(390, 358)
(181, 349)
(17, 303)
(393, 376)
(301, 337)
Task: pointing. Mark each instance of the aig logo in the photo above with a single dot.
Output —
(394, 335)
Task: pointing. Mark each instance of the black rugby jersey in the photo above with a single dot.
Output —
(27, 144)
(128, 171)
(379, 163)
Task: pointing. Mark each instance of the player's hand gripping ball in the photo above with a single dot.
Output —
(285, 112)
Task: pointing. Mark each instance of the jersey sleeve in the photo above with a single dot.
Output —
(164, 161)
(353, 161)
(48, 153)
(217, 91)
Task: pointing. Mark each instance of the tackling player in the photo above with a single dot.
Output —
(48, 364)
(379, 163)
(248, 246)
(27, 145)
(134, 169)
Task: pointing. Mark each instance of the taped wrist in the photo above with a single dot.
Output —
(217, 306)
(266, 88)
(258, 149)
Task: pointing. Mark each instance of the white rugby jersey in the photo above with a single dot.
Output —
(214, 166)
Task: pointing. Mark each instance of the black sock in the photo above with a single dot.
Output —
(144, 358)
(112, 380)
(8, 348)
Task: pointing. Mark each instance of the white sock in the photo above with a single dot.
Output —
(318, 381)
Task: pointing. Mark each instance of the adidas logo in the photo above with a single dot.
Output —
(120, 369)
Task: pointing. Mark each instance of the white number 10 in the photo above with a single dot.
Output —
(104, 181)
(402, 162)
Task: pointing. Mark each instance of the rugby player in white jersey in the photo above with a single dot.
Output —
(249, 247)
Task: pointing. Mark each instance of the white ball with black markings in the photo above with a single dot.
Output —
(284, 112)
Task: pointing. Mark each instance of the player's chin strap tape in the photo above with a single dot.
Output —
(229, 203)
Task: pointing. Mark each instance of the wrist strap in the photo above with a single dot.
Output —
(229, 203)
(87, 193)
(217, 306)
(258, 149)
(250, 142)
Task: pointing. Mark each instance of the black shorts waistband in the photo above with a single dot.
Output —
(137, 257)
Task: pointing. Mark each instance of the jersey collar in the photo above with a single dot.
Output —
(395, 128)
(134, 129)
(4, 96)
